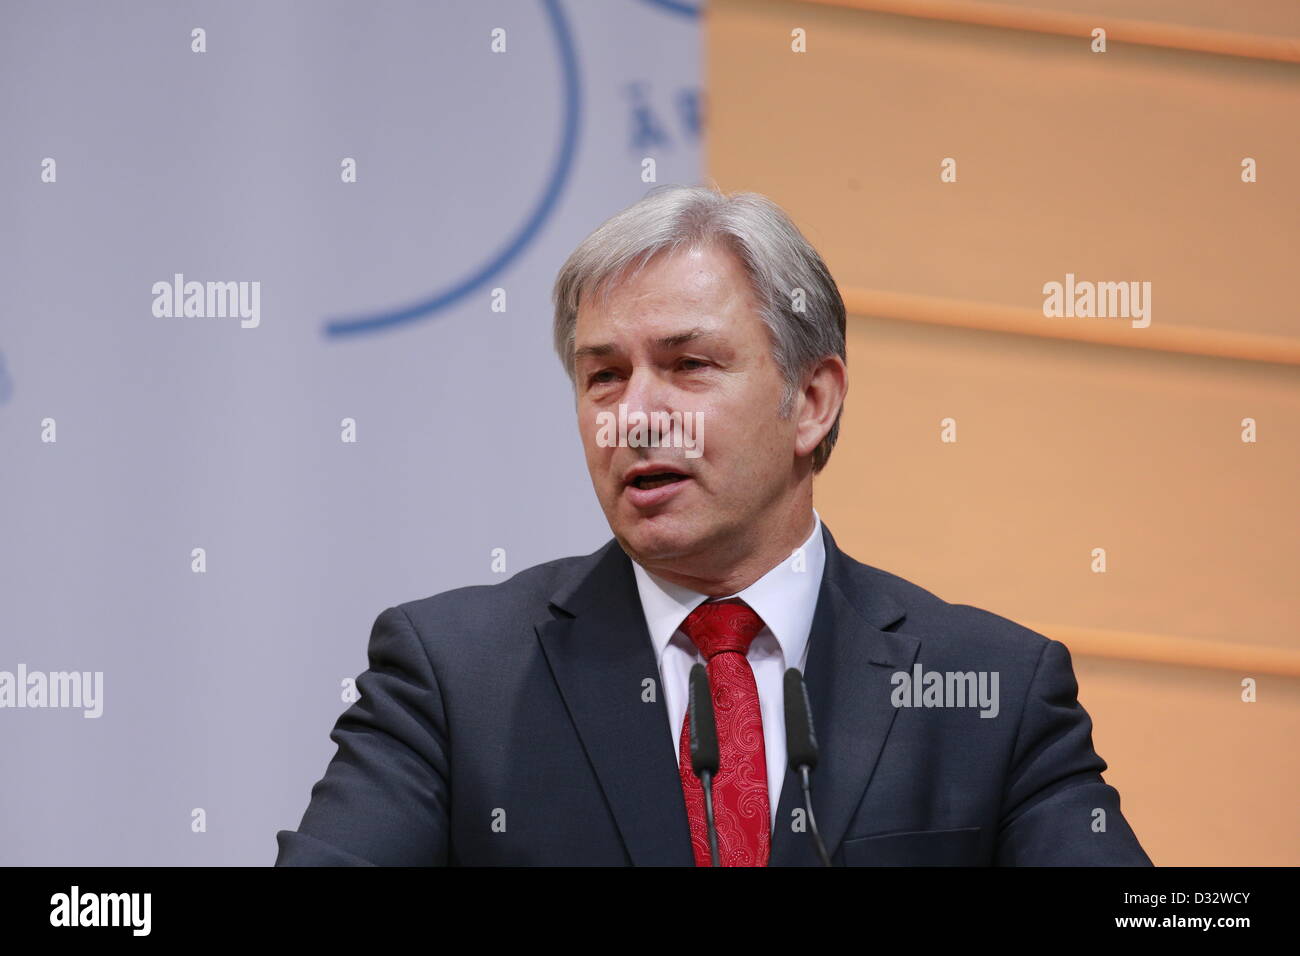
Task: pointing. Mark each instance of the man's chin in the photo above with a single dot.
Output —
(650, 539)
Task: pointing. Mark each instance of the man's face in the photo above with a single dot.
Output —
(684, 336)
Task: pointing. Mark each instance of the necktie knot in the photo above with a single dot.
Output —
(718, 626)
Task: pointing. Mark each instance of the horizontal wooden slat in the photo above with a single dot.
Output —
(1245, 659)
(1118, 30)
(991, 317)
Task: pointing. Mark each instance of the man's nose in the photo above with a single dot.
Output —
(647, 391)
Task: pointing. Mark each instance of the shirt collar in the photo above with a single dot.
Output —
(785, 598)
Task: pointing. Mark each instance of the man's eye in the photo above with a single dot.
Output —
(690, 364)
(601, 377)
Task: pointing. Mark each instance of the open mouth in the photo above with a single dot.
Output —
(658, 480)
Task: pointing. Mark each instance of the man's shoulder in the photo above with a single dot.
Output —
(938, 623)
(522, 597)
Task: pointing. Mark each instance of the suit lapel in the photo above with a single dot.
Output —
(850, 665)
(600, 657)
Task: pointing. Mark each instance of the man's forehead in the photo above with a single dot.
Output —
(647, 296)
(662, 313)
(694, 275)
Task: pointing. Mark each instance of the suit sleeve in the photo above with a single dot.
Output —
(1055, 790)
(384, 797)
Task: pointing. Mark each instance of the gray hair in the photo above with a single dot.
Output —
(780, 262)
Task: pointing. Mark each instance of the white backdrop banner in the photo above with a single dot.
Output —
(274, 356)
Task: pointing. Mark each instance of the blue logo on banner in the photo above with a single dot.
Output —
(532, 225)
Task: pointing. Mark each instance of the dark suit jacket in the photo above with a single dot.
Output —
(509, 724)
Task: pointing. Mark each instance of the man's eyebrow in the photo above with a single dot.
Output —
(667, 342)
(597, 350)
(681, 338)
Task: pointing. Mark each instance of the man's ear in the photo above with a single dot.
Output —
(819, 402)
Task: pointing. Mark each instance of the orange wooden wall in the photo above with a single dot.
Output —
(1072, 433)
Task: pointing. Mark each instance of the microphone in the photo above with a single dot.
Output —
(705, 756)
(801, 748)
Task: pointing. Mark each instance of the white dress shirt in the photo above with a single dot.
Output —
(785, 598)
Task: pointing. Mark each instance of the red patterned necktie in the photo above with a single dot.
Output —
(723, 631)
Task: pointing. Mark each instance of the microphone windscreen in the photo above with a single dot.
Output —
(800, 741)
(704, 730)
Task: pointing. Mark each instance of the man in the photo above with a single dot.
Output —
(543, 720)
